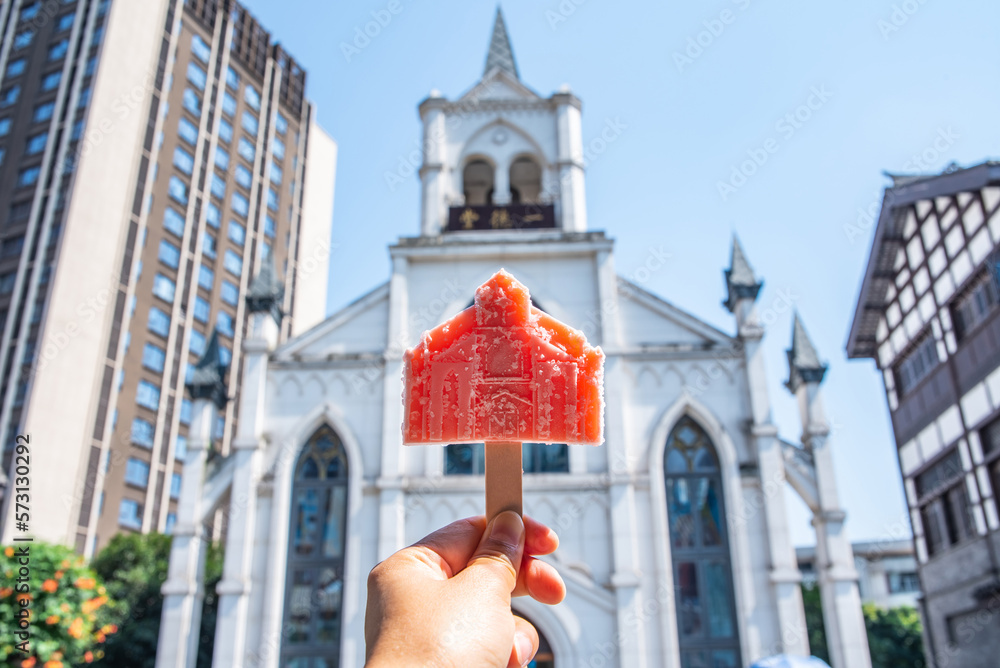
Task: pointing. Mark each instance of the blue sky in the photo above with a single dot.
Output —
(825, 96)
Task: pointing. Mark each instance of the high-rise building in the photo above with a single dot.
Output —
(929, 315)
(152, 155)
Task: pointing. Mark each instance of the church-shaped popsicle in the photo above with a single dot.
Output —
(502, 370)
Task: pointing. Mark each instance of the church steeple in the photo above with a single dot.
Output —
(500, 54)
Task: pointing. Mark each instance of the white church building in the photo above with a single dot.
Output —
(675, 546)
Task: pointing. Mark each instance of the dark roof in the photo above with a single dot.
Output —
(500, 54)
(906, 190)
(740, 280)
(803, 361)
(208, 380)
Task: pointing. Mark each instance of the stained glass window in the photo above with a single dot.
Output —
(316, 553)
(706, 619)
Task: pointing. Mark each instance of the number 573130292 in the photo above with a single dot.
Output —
(22, 482)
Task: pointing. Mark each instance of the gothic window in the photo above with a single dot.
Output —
(477, 183)
(699, 546)
(315, 568)
(470, 458)
(525, 181)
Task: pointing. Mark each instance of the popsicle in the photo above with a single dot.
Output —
(503, 372)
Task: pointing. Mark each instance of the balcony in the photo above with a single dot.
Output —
(506, 217)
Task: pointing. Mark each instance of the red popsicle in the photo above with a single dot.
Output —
(503, 372)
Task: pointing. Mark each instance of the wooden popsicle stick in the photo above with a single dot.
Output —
(503, 478)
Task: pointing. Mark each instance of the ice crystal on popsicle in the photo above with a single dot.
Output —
(502, 370)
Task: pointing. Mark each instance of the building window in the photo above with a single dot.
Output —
(12, 246)
(706, 616)
(278, 148)
(164, 288)
(84, 98)
(192, 102)
(43, 112)
(229, 293)
(59, 49)
(917, 364)
(218, 187)
(137, 473)
(30, 11)
(208, 246)
(197, 76)
(221, 158)
(232, 79)
(270, 228)
(224, 322)
(225, 131)
(183, 161)
(180, 447)
(185, 417)
(142, 432)
(252, 97)
(130, 514)
(159, 322)
(196, 344)
(36, 144)
(903, 583)
(9, 95)
(168, 528)
(173, 220)
(201, 310)
(188, 131)
(315, 567)
(243, 176)
(272, 199)
(250, 123)
(229, 106)
(989, 438)
(65, 22)
(153, 357)
(169, 254)
(148, 395)
(4, 127)
(200, 49)
(233, 263)
(240, 204)
(974, 304)
(178, 190)
(237, 233)
(51, 81)
(28, 176)
(276, 174)
(175, 486)
(944, 504)
(281, 123)
(206, 278)
(16, 67)
(23, 39)
(246, 150)
(212, 215)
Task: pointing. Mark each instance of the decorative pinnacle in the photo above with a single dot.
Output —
(803, 362)
(266, 292)
(208, 381)
(740, 280)
(500, 54)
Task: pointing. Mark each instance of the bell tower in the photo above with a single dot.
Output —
(502, 157)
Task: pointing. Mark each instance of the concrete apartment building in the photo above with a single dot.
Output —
(887, 571)
(928, 315)
(153, 155)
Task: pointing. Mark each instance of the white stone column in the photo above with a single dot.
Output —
(846, 636)
(183, 591)
(234, 588)
(570, 162)
(434, 191)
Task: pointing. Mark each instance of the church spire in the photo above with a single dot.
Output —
(740, 280)
(267, 292)
(803, 361)
(208, 381)
(500, 54)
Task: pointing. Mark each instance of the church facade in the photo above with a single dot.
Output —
(674, 540)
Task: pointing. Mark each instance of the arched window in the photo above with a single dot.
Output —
(315, 568)
(477, 183)
(525, 181)
(470, 458)
(699, 547)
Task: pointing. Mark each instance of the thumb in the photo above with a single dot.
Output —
(497, 559)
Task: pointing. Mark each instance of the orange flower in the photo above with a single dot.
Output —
(100, 637)
(5, 592)
(53, 664)
(9, 552)
(93, 604)
(64, 607)
(50, 586)
(64, 564)
(24, 596)
(52, 619)
(76, 628)
(29, 662)
(88, 656)
(58, 575)
(109, 629)
(85, 583)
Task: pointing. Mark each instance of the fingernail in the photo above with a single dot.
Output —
(507, 528)
(522, 643)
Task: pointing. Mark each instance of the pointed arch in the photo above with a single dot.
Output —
(557, 625)
(288, 386)
(728, 461)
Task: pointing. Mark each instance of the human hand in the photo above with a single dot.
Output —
(445, 601)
